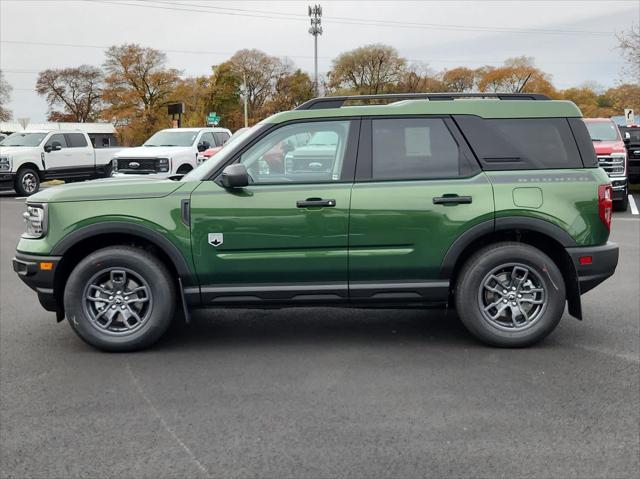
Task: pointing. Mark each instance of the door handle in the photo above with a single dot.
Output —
(315, 202)
(452, 200)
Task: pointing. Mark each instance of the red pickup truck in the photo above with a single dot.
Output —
(612, 157)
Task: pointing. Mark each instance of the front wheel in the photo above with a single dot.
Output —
(510, 295)
(27, 182)
(120, 299)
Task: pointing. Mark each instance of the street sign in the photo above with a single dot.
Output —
(629, 116)
(213, 119)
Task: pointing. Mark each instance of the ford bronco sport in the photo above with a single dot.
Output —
(491, 203)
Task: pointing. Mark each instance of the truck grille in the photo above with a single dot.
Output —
(138, 165)
(612, 165)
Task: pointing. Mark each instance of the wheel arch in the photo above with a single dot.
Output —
(545, 236)
(33, 166)
(84, 241)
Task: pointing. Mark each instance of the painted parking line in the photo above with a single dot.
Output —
(633, 206)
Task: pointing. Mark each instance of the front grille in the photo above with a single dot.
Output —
(142, 165)
(612, 165)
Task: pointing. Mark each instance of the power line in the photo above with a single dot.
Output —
(206, 52)
(196, 8)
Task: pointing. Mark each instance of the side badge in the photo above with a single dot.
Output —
(216, 239)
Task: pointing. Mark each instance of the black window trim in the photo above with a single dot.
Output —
(364, 171)
(348, 165)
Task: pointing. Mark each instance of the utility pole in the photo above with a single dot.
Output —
(244, 96)
(315, 13)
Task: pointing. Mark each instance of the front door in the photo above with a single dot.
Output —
(417, 190)
(284, 237)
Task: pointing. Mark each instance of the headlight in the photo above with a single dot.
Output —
(114, 164)
(5, 163)
(36, 220)
(163, 165)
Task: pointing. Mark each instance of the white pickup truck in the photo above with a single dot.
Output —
(29, 157)
(169, 152)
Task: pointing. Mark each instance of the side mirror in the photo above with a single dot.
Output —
(56, 146)
(47, 148)
(626, 140)
(235, 176)
(203, 145)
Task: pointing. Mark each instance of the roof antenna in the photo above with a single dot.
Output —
(524, 83)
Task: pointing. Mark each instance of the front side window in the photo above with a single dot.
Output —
(57, 138)
(221, 138)
(413, 148)
(289, 154)
(208, 137)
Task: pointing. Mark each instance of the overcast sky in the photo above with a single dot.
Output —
(574, 41)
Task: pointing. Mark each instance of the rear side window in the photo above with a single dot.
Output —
(413, 148)
(521, 143)
(76, 140)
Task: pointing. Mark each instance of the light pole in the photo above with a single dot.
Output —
(315, 13)
(244, 96)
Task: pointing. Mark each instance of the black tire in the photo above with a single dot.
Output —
(137, 267)
(472, 296)
(26, 182)
(623, 204)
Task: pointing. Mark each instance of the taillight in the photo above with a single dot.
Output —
(605, 204)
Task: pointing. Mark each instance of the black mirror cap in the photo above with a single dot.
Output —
(203, 145)
(626, 140)
(47, 148)
(235, 176)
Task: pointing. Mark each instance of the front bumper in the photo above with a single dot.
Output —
(604, 260)
(6, 180)
(619, 184)
(35, 272)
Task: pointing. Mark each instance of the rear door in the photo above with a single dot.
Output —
(80, 152)
(418, 188)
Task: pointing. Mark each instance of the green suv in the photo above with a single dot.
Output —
(492, 204)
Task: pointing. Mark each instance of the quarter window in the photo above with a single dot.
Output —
(413, 148)
(311, 152)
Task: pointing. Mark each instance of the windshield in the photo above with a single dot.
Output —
(602, 130)
(23, 139)
(172, 138)
(207, 167)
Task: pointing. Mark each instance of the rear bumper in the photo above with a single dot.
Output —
(604, 260)
(29, 269)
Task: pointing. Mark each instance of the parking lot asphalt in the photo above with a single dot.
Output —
(323, 392)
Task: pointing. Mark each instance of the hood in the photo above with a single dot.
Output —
(131, 187)
(153, 151)
(608, 147)
(208, 153)
(16, 150)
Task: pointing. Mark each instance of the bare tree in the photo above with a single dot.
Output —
(5, 97)
(76, 91)
(629, 44)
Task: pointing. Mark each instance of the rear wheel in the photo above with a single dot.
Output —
(510, 295)
(120, 299)
(26, 182)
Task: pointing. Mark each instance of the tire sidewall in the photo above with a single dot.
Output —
(18, 182)
(487, 260)
(143, 264)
